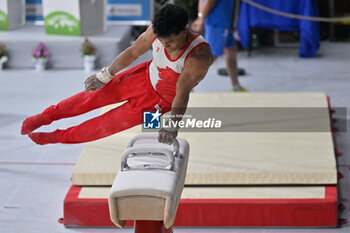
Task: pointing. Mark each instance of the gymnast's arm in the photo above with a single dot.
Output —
(142, 44)
(195, 69)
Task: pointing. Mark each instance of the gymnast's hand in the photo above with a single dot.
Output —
(166, 136)
(92, 84)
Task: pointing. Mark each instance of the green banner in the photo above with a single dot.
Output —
(3, 21)
(62, 23)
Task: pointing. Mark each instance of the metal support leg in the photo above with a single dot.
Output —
(151, 227)
(331, 25)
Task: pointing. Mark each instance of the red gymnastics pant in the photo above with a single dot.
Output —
(132, 85)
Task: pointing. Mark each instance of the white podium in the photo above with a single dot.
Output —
(75, 17)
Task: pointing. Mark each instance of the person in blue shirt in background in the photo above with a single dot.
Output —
(216, 17)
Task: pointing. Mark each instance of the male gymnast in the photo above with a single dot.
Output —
(180, 61)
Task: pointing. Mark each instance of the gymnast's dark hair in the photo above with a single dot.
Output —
(170, 19)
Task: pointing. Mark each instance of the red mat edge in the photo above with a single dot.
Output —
(321, 212)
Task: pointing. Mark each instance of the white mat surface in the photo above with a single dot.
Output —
(246, 158)
(227, 192)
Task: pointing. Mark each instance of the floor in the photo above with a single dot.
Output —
(35, 179)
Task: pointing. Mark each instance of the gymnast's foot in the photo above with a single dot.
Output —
(44, 138)
(238, 88)
(32, 123)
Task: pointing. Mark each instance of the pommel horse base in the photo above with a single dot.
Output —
(148, 186)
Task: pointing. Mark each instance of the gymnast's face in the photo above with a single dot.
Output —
(174, 42)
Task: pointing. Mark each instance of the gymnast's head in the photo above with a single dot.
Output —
(169, 25)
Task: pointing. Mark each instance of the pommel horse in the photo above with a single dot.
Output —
(148, 186)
